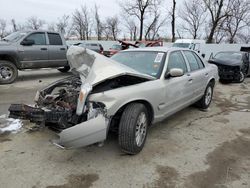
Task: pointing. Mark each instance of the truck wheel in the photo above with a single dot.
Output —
(8, 72)
(205, 101)
(133, 128)
(64, 69)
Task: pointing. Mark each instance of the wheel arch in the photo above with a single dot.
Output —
(10, 58)
(117, 115)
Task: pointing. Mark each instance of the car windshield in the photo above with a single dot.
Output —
(228, 56)
(147, 62)
(181, 45)
(116, 47)
(14, 36)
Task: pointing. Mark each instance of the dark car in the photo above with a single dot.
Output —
(97, 47)
(232, 66)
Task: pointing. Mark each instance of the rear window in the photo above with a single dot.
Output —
(54, 39)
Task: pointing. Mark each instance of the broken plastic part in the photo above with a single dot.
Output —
(83, 134)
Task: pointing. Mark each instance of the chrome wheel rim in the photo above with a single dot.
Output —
(141, 129)
(241, 76)
(208, 96)
(6, 73)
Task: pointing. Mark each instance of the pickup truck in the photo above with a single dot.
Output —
(31, 50)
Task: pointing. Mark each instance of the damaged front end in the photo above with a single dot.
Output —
(56, 108)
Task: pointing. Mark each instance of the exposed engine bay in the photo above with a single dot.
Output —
(56, 104)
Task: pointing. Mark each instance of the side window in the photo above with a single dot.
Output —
(54, 39)
(176, 60)
(39, 38)
(191, 60)
(201, 65)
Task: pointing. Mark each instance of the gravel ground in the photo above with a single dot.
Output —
(192, 149)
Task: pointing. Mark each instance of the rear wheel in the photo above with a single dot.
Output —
(133, 128)
(8, 72)
(64, 69)
(205, 101)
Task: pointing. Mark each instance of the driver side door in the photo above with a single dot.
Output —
(36, 55)
(177, 89)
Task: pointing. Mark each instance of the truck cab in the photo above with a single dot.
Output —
(31, 50)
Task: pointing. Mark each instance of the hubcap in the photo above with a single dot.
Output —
(5, 73)
(141, 129)
(208, 96)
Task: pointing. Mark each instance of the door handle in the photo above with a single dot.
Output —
(190, 80)
(62, 48)
(44, 49)
(206, 74)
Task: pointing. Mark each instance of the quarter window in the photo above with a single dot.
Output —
(39, 38)
(194, 65)
(54, 39)
(176, 60)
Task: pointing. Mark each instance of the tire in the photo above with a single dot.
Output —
(8, 72)
(206, 99)
(64, 69)
(241, 78)
(133, 128)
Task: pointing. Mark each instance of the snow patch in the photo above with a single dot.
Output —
(9, 124)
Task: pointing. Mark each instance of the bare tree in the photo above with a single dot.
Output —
(62, 24)
(82, 22)
(51, 27)
(193, 16)
(244, 35)
(3, 25)
(173, 17)
(240, 11)
(14, 25)
(98, 24)
(154, 26)
(112, 24)
(139, 9)
(35, 23)
(132, 28)
(218, 10)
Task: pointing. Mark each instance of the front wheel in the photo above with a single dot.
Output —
(206, 99)
(133, 128)
(8, 72)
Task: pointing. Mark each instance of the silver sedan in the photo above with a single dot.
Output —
(127, 93)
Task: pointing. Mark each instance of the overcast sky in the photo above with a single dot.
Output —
(50, 10)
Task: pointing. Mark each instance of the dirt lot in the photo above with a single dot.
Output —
(192, 149)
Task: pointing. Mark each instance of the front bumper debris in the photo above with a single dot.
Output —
(83, 134)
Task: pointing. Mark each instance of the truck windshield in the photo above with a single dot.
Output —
(15, 36)
(147, 62)
(181, 45)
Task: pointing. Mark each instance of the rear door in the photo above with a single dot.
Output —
(197, 73)
(36, 55)
(57, 50)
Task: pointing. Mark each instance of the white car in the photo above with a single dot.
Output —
(128, 93)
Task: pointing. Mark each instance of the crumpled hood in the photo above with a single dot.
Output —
(227, 62)
(95, 68)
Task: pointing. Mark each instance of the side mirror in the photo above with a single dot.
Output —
(174, 73)
(27, 42)
(203, 55)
